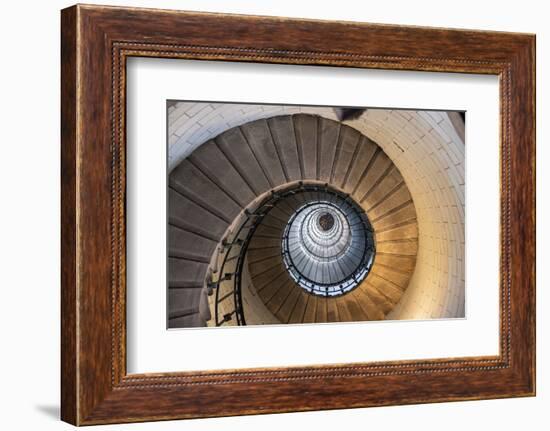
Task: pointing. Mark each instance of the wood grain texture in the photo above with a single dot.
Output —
(96, 41)
(68, 218)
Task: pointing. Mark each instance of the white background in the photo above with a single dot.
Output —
(29, 228)
(153, 349)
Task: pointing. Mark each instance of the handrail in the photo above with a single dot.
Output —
(229, 283)
(349, 281)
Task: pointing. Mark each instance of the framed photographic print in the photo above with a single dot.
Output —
(254, 209)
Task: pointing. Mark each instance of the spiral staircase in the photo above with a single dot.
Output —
(289, 219)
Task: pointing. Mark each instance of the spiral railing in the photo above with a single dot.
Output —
(328, 245)
(358, 249)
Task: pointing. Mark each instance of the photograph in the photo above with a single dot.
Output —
(273, 215)
(287, 214)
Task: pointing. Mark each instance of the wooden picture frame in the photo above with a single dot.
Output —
(96, 41)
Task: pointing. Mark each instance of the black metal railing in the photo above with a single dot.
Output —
(349, 264)
(225, 281)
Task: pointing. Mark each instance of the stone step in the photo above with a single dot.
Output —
(384, 187)
(374, 171)
(329, 130)
(235, 147)
(274, 222)
(370, 309)
(403, 247)
(297, 313)
(184, 244)
(395, 218)
(187, 178)
(306, 128)
(186, 213)
(264, 278)
(381, 301)
(389, 289)
(402, 263)
(268, 291)
(310, 312)
(279, 295)
(258, 136)
(184, 301)
(269, 232)
(287, 307)
(195, 320)
(281, 213)
(282, 132)
(343, 310)
(259, 243)
(213, 163)
(348, 146)
(406, 231)
(365, 155)
(390, 203)
(186, 273)
(321, 310)
(332, 311)
(393, 282)
(262, 254)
